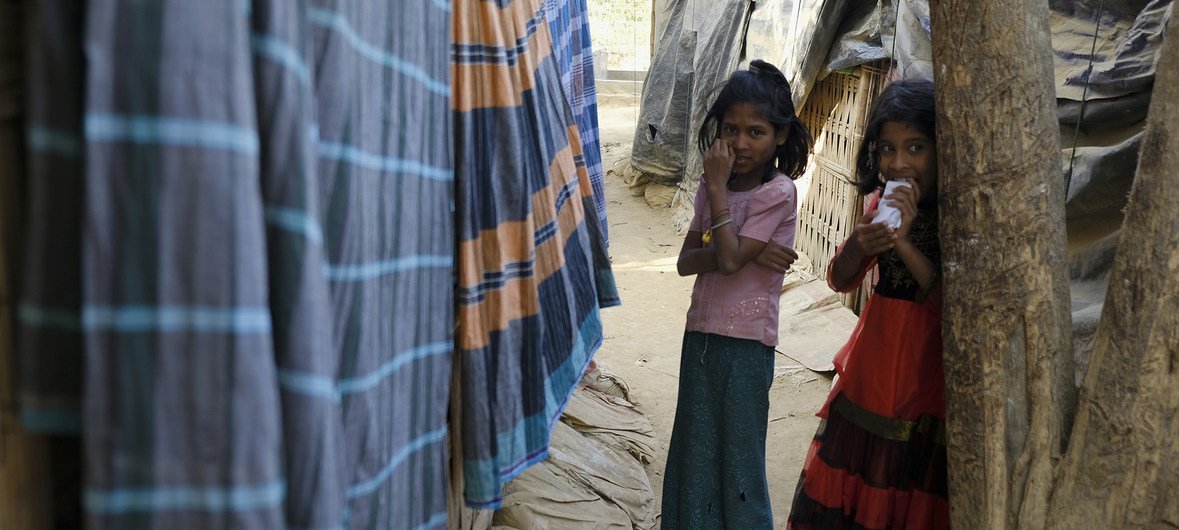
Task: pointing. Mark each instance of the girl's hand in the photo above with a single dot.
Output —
(868, 238)
(718, 164)
(776, 257)
(905, 200)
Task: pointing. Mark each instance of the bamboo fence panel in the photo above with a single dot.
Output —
(835, 114)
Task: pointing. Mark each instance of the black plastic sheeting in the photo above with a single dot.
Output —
(700, 42)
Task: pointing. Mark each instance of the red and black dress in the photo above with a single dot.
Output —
(878, 459)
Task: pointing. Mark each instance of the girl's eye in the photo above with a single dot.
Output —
(730, 130)
(756, 132)
(886, 149)
(915, 147)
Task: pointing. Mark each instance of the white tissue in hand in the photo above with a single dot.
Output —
(885, 212)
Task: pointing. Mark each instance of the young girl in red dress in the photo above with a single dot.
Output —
(878, 460)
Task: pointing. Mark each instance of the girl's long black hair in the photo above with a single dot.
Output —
(763, 86)
(909, 101)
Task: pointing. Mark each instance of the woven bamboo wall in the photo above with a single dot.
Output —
(835, 114)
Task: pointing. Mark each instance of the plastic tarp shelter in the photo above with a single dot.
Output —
(699, 43)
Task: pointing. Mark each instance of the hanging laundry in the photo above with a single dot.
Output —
(239, 278)
(387, 183)
(533, 269)
(573, 51)
(50, 315)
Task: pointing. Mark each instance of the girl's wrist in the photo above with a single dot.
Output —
(852, 252)
(720, 223)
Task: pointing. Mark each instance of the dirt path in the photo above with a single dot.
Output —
(643, 335)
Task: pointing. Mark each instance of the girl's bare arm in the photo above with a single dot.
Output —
(695, 258)
(732, 251)
(867, 240)
(729, 251)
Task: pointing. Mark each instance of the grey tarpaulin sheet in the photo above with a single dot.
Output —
(701, 45)
(1100, 170)
(698, 44)
(808, 40)
(797, 35)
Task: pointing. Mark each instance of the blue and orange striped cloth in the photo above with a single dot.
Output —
(239, 272)
(573, 51)
(532, 264)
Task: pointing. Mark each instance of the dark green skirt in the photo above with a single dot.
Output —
(716, 463)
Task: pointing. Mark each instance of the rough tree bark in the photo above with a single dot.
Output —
(1122, 466)
(1008, 354)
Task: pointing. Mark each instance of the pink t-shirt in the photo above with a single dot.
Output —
(744, 305)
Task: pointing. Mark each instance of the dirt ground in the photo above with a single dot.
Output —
(643, 335)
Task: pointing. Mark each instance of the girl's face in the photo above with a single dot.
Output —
(907, 153)
(752, 138)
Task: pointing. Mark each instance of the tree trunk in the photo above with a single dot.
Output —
(1008, 353)
(1122, 466)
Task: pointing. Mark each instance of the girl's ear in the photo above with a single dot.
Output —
(782, 135)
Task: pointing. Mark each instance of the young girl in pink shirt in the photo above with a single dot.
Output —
(738, 245)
